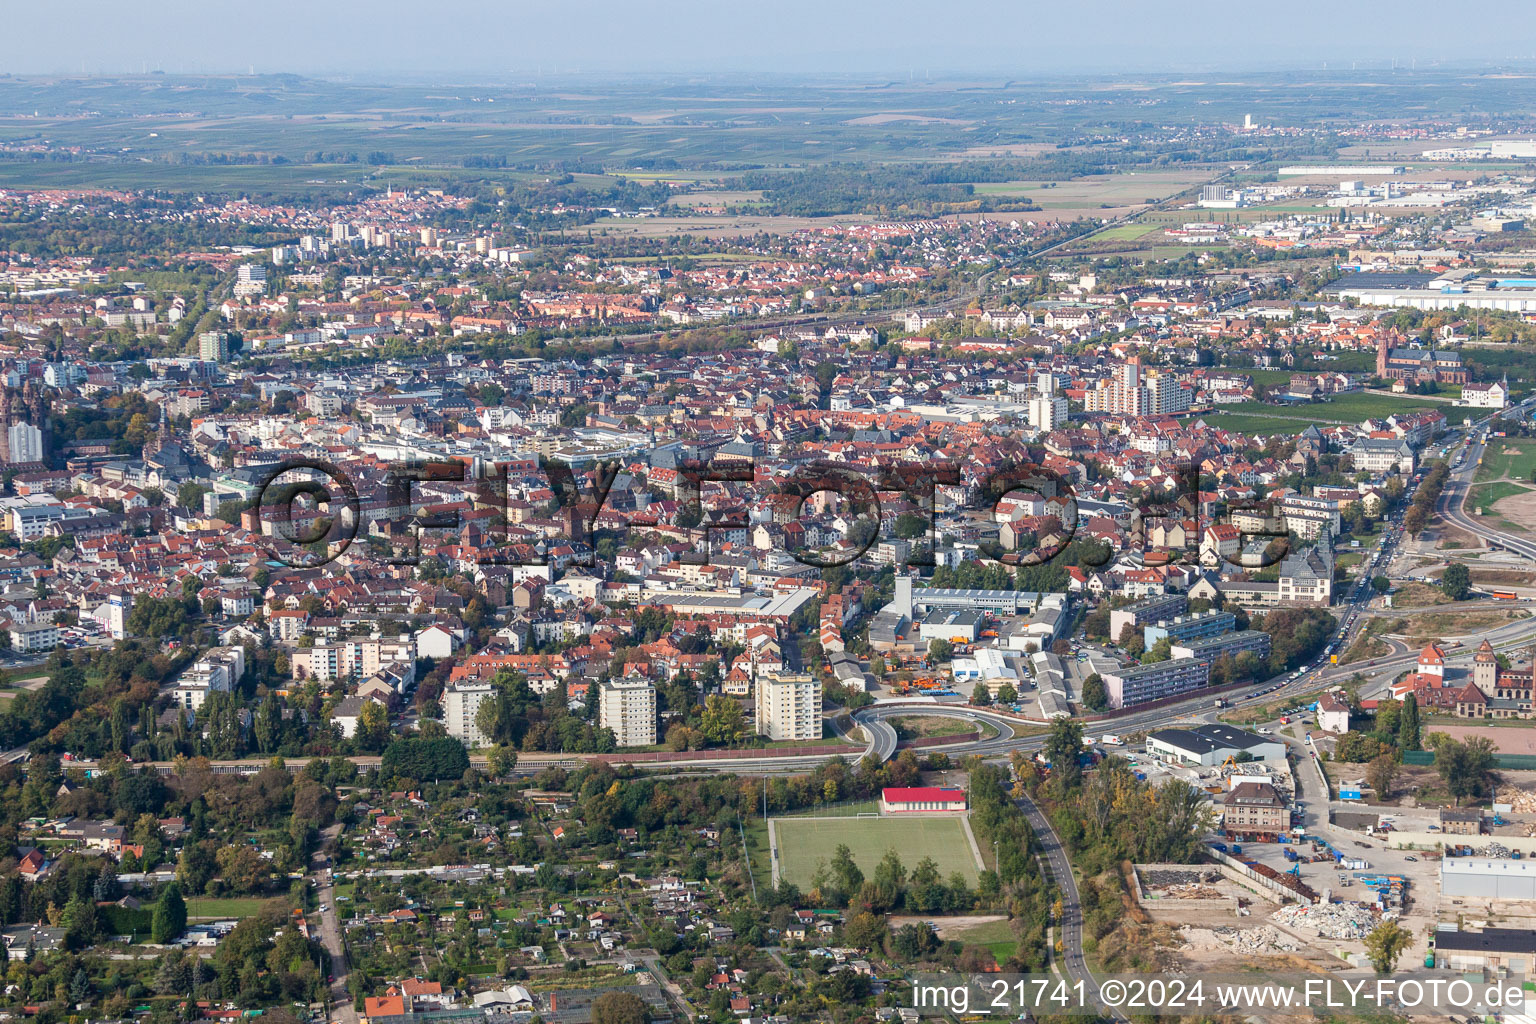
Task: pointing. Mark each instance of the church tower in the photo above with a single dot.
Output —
(1485, 670)
(1383, 349)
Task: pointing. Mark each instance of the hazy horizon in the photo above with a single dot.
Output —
(899, 39)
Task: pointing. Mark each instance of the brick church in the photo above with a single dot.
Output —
(1416, 364)
(1487, 691)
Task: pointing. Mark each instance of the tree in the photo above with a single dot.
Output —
(416, 757)
(1006, 694)
(1408, 724)
(1380, 773)
(1464, 767)
(940, 650)
(488, 717)
(865, 930)
(1385, 944)
(1380, 584)
(1456, 583)
(78, 922)
(372, 726)
(170, 917)
(723, 720)
(502, 761)
(1095, 695)
(1062, 748)
(845, 873)
(981, 696)
(619, 1007)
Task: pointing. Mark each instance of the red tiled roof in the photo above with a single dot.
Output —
(909, 794)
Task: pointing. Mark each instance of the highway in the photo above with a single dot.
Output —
(1072, 962)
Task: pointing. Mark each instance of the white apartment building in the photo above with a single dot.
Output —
(789, 707)
(1307, 517)
(628, 707)
(1047, 411)
(1165, 395)
(323, 403)
(34, 637)
(356, 658)
(461, 702)
(250, 280)
(215, 672)
(213, 346)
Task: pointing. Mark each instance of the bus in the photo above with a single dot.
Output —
(1504, 595)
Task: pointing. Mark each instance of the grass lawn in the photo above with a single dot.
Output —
(806, 843)
(1266, 377)
(221, 909)
(909, 726)
(758, 853)
(994, 935)
(1506, 456)
(1484, 496)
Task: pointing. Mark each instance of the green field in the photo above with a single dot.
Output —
(1349, 408)
(996, 936)
(1253, 424)
(803, 844)
(1519, 462)
(1126, 231)
(1487, 495)
(1268, 378)
(222, 909)
(1259, 418)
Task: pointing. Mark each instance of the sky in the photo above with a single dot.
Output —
(949, 38)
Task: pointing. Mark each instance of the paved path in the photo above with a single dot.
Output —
(1071, 924)
(970, 837)
(330, 935)
(773, 852)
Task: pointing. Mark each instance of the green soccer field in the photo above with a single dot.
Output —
(802, 844)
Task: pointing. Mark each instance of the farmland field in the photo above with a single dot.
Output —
(803, 844)
(1127, 231)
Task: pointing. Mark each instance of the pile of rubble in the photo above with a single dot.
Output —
(1279, 776)
(1329, 920)
(1188, 892)
(1520, 801)
(1262, 939)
